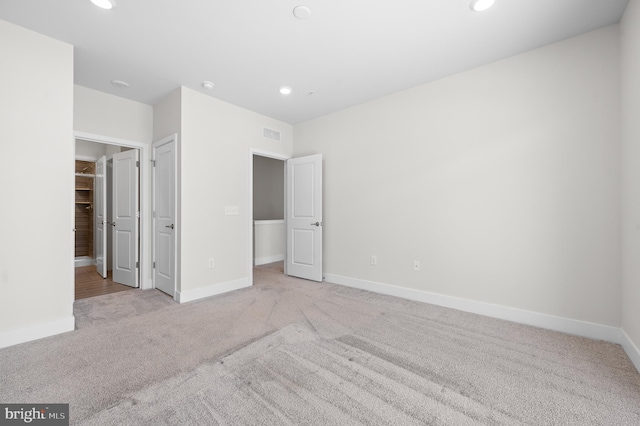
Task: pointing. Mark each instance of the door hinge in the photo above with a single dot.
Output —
(138, 215)
(154, 265)
(153, 163)
(137, 164)
(137, 264)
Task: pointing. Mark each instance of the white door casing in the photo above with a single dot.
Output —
(125, 217)
(304, 217)
(100, 206)
(164, 215)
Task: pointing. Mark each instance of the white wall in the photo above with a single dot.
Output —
(630, 72)
(37, 175)
(107, 115)
(269, 241)
(502, 181)
(216, 138)
(268, 188)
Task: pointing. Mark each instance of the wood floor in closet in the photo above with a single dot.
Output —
(89, 283)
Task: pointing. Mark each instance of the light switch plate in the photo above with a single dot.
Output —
(231, 210)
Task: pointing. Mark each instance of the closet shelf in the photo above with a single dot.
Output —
(83, 189)
(84, 202)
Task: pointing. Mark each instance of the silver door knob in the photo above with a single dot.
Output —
(316, 224)
(169, 226)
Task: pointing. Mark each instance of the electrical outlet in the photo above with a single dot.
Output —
(416, 265)
(212, 262)
(374, 260)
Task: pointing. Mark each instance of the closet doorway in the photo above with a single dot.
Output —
(107, 193)
(267, 205)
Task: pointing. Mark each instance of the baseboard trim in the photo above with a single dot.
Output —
(268, 259)
(550, 322)
(631, 349)
(84, 261)
(211, 290)
(37, 331)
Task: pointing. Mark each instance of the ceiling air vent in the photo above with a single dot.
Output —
(271, 134)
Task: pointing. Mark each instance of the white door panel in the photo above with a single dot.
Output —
(304, 217)
(100, 205)
(164, 207)
(125, 217)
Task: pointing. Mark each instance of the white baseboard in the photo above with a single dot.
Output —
(211, 290)
(84, 261)
(268, 259)
(35, 332)
(631, 349)
(550, 322)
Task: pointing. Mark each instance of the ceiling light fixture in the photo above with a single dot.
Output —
(104, 4)
(207, 85)
(481, 5)
(301, 12)
(285, 90)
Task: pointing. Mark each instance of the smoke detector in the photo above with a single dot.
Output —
(120, 84)
(301, 12)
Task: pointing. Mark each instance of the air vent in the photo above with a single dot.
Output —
(271, 134)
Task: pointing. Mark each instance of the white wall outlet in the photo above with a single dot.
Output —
(231, 210)
(374, 260)
(212, 262)
(416, 265)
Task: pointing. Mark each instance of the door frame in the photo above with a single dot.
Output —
(275, 156)
(145, 272)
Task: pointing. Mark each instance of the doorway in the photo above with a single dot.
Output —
(302, 214)
(267, 206)
(97, 272)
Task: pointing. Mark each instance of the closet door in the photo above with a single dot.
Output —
(125, 218)
(100, 208)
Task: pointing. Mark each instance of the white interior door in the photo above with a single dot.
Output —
(304, 217)
(164, 215)
(100, 206)
(125, 217)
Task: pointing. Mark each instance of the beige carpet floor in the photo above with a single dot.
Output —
(289, 351)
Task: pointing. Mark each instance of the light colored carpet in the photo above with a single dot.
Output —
(289, 351)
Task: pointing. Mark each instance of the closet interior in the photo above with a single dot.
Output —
(85, 175)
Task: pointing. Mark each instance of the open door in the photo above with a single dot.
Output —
(164, 215)
(304, 217)
(125, 217)
(100, 208)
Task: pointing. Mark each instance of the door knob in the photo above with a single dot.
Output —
(169, 226)
(317, 224)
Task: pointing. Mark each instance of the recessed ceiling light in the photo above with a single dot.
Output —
(105, 4)
(207, 85)
(301, 12)
(481, 5)
(285, 90)
(120, 84)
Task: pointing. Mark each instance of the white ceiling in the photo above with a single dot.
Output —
(346, 53)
